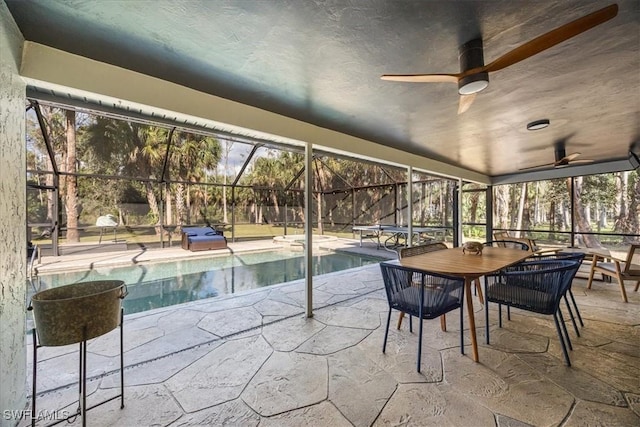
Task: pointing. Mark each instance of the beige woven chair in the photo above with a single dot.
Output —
(628, 269)
(418, 250)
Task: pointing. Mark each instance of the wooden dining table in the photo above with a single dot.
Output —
(454, 262)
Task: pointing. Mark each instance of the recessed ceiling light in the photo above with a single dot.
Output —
(538, 124)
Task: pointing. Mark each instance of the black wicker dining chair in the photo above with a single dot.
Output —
(535, 286)
(567, 256)
(436, 295)
(513, 244)
(419, 250)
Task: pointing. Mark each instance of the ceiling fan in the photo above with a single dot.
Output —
(562, 159)
(474, 74)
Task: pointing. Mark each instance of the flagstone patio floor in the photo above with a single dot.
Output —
(254, 359)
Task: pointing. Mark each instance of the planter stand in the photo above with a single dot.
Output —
(82, 380)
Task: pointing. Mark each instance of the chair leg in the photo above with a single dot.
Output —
(576, 307)
(622, 290)
(443, 323)
(509, 313)
(386, 332)
(411, 323)
(564, 347)
(500, 315)
(573, 320)
(592, 271)
(420, 344)
(461, 329)
(400, 317)
(486, 321)
(637, 286)
(564, 329)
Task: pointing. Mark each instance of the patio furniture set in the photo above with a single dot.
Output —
(428, 281)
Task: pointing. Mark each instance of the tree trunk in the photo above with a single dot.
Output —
(169, 208)
(444, 207)
(523, 197)
(71, 196)
(604, 221)
(319, 210)
(633, 213)
(252, 212)
(474, 199)
(501, 206)
(276, 206)
(225, 217)
(153, 205)
(49, 181)
(188, 206)
(582, 225)
(620, 225)
(552, 220)
(620, 198)
(181, 216)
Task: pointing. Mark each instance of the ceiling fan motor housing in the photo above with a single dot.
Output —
(471, 56)
(560, 153)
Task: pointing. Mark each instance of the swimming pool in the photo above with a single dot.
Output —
(155, 285)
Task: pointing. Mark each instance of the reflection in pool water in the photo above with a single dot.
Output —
(155, 285)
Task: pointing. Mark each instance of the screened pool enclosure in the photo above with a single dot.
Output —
(151, 178)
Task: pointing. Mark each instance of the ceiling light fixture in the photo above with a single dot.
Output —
(473, 83)
(472, 57)
(538, 124)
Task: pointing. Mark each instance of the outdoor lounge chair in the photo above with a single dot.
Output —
(202, 239)
(628, 269)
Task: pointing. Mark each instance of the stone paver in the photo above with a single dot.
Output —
(433, 405)
(287, 381)
(219, 376)
(358, 387)
(322, 414)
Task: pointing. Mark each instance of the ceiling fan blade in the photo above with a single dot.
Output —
(465, 102)
(570, 157)
(565, 164)
(574, 162)
(553, 38)
(539, 166)
(421, 78)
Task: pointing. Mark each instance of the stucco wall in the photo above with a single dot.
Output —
(12, 221)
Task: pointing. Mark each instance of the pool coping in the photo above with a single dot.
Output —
(51, 264)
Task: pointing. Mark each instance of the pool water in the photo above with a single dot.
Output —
(155, 285)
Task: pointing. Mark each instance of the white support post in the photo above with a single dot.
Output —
(459, 230)
(308, 227)
(410, 206)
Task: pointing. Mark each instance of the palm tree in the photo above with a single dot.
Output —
(192, 158)
(71, 196)
(122, 148)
